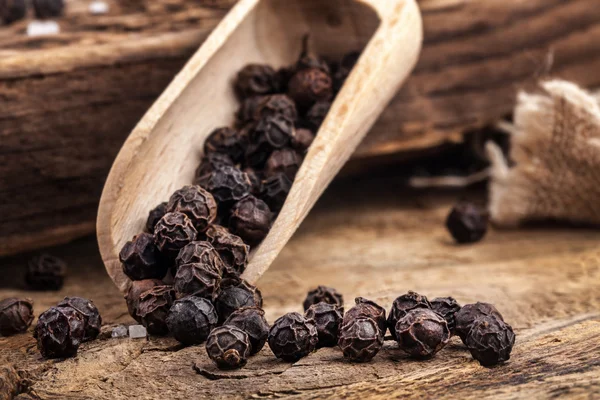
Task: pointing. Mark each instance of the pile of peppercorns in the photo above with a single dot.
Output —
(14, 10)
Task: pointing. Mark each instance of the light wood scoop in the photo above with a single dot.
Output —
(162, 152)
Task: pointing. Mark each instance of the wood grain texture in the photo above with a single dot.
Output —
(476, 55)
(545, 281)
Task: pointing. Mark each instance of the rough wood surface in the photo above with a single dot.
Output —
(371, 238)
(69, 101)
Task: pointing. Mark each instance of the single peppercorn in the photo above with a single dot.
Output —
(343, 70)
(199, 270)
(59, 332)
(285, 161)
(12, 10)
(255, 179)
(227, 185)
(249, 110)
(48, 8)
(275, 190)
(316, 115)
(173, 232)
(292, 337)
(323, 294)
(92, 321)
(252, 321)
(236, 294)
(278, 104)
(229, 347)
(490, 340)
(467, 315)
(256, 80)
(155, 215)
(251, 220)
(467, 223)
(302, 140)
(369, 309)
(402, 305)
(153, 308)
(45, 272)
(328, 320)
(191, 319)
(210, 163)
(231, 248)
(15, 315)
(270, 132)
(422, 332)
(202, 252)
(227, 141)
(308, 86)
(132, 298)
(447, 307)
(195, 202)
(360, 339)
(141, 259)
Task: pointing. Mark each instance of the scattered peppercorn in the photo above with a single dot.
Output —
(15, 315)
(360, 338)
(153, 308)
(191, 319)
(134, 293)
(228, 141)
(256, 80)
(227, 185)
(323, 294)
(467, 315)
(275, 190)
(195, 202)
(48, 8)
(12, 10)
(316, 114)
(252, 321)
(328, 320)
(45, 272)
(467, 223)
(236, 294)
(59, 332)
(229, 347)
(173, 232)
(422, 332)
(251, 220)
(292, 337)
(402, 305)
(141, 259)
(231, 248)
(285, 161)
(92, 321)
(369, 309)
(155, 215)
(447, 307)
(303, 139)
(490, 340)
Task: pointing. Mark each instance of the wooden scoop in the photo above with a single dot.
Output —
(162, 152)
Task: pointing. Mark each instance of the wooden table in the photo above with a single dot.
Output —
(372, 238)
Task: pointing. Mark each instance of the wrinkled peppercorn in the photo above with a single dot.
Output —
(15, 315)
(232, 249)
(191, 319)
(467, 223)
(285, 161)
(402, 305)
(45, 272)
(153, 308)
(155, 215)
(490, 340)
(229, 347)
(141, 259)
(343, 71)
(278, 104)
(228, 141)
(48, 8)
(59, 332)
(422, 332)
(328, 320)
(12, 10)
(308, 86)
(173, 232)
(369, 309)
(210, 163)
(275, 190)
(252, 321)
(360, 339)
(227, 185)
(316, 115)
(256, 80)
(132, 298)
(323, 294)
(92, 321)
(195, 202)
(302, 140)
(270, 132)
(255, 179)
(236, 294)
(465, 317)
(447, 307)
(251, 220)
(249, 110)
(199, 269)
(200, 252)
(292, 337)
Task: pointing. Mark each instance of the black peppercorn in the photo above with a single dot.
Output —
(308, 86)
(275, 190)
(302, 140)
(227, 141)
(210, 163)
(195, 202)
(92, 321)
(278, 104)
(229, 347)
(249, 110)
(490, 340)
(256, 80)
(232, 249)
(285, 161)
(465, 317)
(369, 309)
(132, 298)
(328, 320)
(467, 223)
(344, 69)
(191, 319)
(48, 8)
(173, 232)
(316, 115)
(15, 315)
(360, 339)
(199, 270)
(270, 132)
(155, 215)
(141, 259)
(236, 294)
(200, 252)
(251, 220)
(447, 307)
(252, 321)
(308, 60)
(227, 185)
(45, 272)
(255, 179)
(323, 294)
(292, 337)
(422, 332)
(402, 305)
(153, 308)
(12, 10)
(59, 332)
